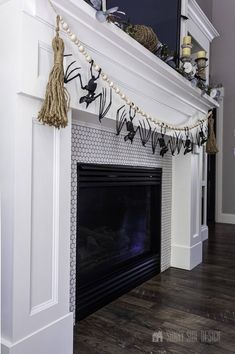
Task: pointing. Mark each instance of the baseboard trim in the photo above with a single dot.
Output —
(57, 337)
(226, 219)
(187, 258)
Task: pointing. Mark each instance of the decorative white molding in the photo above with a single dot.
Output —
(185, 257)
(57, 335)
(53, 300)
(196, 14)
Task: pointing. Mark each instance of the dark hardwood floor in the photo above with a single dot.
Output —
(194, 311)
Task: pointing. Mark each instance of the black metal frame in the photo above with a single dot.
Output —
(98, 291)
(178, 33)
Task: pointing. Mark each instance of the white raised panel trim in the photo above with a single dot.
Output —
(55, 226)
(196, 14)
(47, 49)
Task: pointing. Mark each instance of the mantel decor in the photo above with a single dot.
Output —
(134, 118)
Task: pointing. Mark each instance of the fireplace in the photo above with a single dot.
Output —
(118, 232)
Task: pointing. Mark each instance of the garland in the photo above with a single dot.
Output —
(145, 131)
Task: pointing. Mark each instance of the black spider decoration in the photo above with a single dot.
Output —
(175, 143)
(68, 73)
(155, 136)
(130, 127)
(163, 145)
(120, 119)
(103, 99)
(201, 136)
(91, 87)
(188, 144)
(145, 132)
(159, 138)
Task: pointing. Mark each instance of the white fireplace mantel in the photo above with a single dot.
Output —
(35, 163)
(147, 80)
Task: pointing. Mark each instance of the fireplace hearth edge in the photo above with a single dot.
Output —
(94, 292)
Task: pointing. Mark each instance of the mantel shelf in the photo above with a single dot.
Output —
(156, 87)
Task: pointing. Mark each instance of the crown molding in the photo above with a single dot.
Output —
(196, 14)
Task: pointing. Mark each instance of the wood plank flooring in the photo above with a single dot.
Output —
(193, 311)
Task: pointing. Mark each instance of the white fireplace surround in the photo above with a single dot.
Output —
(35, 161)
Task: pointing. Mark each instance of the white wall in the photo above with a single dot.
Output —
(206, 6)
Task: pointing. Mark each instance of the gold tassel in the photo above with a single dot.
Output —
(56, 104)
(211, 146)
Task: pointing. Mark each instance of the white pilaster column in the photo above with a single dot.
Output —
(36, 230)
(35, 169)
(186, 211)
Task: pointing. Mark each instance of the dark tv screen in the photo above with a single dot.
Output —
(162, 15)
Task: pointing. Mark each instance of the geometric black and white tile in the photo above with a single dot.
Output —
(97, 145)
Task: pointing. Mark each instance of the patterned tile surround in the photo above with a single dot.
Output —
(101, 145)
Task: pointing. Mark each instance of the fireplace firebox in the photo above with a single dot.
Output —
(118, 232)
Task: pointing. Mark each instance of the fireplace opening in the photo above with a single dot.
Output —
(118, 232)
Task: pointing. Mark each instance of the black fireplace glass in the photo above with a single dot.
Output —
(118, 232)
(114, 226)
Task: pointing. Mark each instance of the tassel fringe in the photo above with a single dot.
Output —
(211, 146)
(54, 111)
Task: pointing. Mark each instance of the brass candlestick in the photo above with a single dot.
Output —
(201, 65)
(186, 49)
(187, 68)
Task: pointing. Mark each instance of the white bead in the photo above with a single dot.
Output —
(65, 26)
(69, 32)
(88, 58)
(117, 90)
(104, 77)
(97, 68)
(73, 37)
(111, 84)
(77, 42)
(81, 49)
(148, 116)
(128, 102)
(123, 96)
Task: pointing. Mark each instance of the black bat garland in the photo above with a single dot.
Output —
(173, 143)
